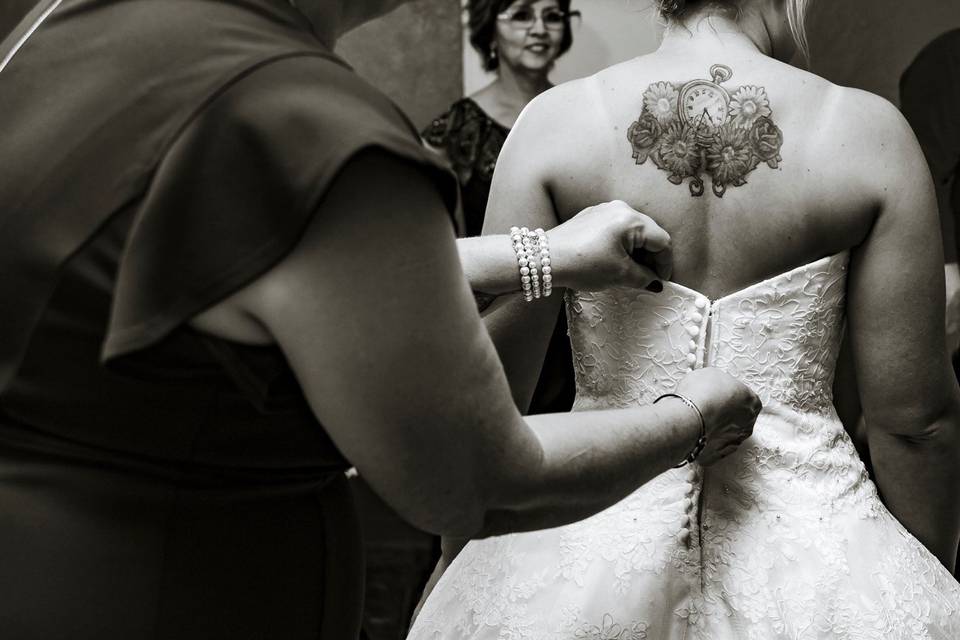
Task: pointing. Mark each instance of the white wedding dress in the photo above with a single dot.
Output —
(785, 539)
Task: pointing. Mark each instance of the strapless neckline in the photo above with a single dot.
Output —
(772, 280)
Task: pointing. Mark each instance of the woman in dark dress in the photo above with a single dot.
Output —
(196, 276)
(520, 40)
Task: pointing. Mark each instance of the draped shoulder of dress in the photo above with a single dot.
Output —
(156, 482)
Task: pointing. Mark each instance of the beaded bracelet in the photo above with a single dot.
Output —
(546, 269)
(523, 261)
(531, 244)
(702, 440)
(533, 259)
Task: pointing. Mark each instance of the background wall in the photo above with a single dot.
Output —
(869, 43)
(413, 54)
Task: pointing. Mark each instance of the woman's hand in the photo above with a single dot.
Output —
(729, 410)
(609, 245)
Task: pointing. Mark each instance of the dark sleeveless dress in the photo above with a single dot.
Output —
(156, 482)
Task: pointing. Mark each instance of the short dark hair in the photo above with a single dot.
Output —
(483, 24)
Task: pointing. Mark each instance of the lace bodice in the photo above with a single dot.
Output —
(780, 336)
(785, 539)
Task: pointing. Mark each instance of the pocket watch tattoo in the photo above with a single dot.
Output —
(699, 127)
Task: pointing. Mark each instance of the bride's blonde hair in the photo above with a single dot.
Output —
(796, 16)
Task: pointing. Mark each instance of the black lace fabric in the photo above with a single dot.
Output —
(471, 141)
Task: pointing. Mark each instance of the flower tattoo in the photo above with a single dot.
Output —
(767, 139)
(699, 127)
(680, 152)
(660, 99)
(729, 158)
(643, 135)
(748, 105)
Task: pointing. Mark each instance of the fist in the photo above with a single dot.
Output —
(729, 407)
(610, 245)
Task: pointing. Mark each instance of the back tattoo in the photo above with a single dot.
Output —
(700, 127)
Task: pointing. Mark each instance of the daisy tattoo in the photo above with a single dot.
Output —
(699, 127)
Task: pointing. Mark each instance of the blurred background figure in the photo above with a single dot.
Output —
(930, 99)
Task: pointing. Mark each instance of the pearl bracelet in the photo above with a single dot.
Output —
(518, 236)
(533, 258)
(546, 270)
(702, 440)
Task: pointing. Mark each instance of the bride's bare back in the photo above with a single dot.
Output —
(753, 166)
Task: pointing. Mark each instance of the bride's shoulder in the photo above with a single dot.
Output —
(864, 123)
(559, 114)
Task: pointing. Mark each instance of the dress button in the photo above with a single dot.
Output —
(693, 345)
(684, 536)
(691, 488)
(697, 317)
(691, 359)
(685, 522)
(686, 504)
(701, 303)
(694, 331)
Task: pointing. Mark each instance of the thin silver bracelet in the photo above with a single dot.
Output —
(702, 440)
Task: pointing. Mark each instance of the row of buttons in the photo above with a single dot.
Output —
(689, 505)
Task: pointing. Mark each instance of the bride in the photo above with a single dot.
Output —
(797, 208)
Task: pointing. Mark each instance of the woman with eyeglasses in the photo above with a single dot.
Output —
(519, 40)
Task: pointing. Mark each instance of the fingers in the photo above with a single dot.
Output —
(663, 262)
(657, 247)
(649, 243)
(637, 275)
(727, 450)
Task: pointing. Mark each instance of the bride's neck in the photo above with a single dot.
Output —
(709, 32)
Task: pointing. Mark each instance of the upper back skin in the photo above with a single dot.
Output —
(822, 198)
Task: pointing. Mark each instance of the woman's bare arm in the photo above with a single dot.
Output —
(910, 398)
(585, 254)
(380, 328)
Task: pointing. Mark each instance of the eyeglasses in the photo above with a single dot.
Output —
(523, 18)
